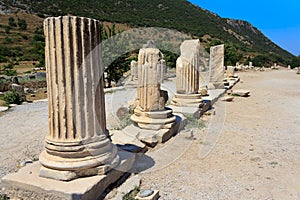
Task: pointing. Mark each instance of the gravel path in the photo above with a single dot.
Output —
(257, 155)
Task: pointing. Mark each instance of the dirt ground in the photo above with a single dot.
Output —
(257, 153)
(251, 152)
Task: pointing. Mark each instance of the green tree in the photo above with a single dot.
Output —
(295, 62)
(11, 22)
(231, 54)
(7, 29)
(22, 24)
(8, 70)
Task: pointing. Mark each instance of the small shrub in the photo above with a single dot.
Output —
(12, 97)
(131, 195)
(194, 123)
(4, 197)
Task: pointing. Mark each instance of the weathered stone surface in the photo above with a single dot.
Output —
(216, 65)
(298, 70)
(240, 92)
(27, 184)
(188, 67)
(19, 90)
(154, 195)
(150, 112)
(77, 137)
(230, 72)
(3, 108)
(40, 75)
(123, 139)
(134, 70)
(130, 184)
(227, 98)
(187, 76)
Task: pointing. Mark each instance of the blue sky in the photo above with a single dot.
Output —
(278, 20)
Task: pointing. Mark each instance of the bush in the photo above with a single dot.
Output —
(4, 197)
(12, 97)
(22, 24)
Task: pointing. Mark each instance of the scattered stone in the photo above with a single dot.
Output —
(28, 90)
(227, 98)
(32, 95)
(26, 162)
(40, 75)
(127, 142)
(19, 90)
(298, 70)
(3, 108)
(240, 92)
(130, 184)
(145, 193)
(13, 105)
(148, 194)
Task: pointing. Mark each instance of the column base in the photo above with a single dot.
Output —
(154, 120)
(27, 184)
(71, 175)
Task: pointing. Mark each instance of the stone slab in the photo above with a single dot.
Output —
(26, 184)
(214, 95)
(127, 141)
(128, 186)
(240, 92)
(3, 108)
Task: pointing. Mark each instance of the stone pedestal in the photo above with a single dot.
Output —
(187, 79)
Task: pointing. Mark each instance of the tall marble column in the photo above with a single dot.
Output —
(187, 75)
(76, 144)
(150, 112)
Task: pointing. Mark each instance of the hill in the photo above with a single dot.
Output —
(239, 36)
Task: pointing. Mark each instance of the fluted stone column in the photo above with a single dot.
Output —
(150, 112)
(216, 65)
(187, 75)
(76, 144)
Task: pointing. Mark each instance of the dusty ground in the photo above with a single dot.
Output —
(257, 155)
(254, 155)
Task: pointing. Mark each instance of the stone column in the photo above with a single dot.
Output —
(150, 112)
(187, 75)
(216, 65)
(134, 70)
(76, 144)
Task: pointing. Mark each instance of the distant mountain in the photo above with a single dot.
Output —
(174, 14)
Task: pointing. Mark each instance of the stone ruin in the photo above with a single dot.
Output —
(187, 98)
(216, 67)
(151, 118)
(78, 143)
(134, 70)
(150, 112)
